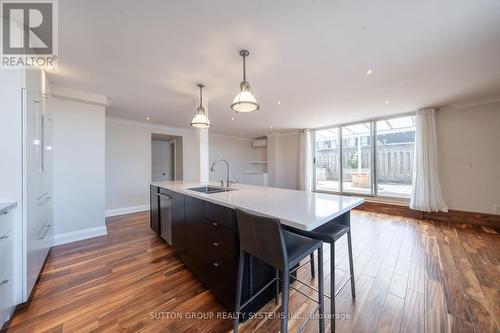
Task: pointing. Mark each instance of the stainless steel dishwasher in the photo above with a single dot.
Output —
(165, 217)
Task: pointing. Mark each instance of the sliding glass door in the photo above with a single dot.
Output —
(371, 158)
(395, 152)
(357, 158)
(327, 157)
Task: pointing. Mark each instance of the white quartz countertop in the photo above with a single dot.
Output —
(298, 209)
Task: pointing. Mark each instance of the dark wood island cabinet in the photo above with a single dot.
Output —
(204, 236)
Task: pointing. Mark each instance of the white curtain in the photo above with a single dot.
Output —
(305, 165)
(426, 192)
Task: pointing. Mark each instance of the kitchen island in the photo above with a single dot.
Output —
(201, 228)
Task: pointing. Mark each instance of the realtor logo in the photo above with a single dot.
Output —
(29, 33)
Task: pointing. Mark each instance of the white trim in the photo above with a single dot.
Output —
(174, 163)
(242, 138)
(126, 210)
(149, 125)
(188, 130)
(476, 102)
(78, 95)
(74, 236)
(284, 133)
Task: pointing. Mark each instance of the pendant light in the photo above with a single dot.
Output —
(244, 101)
(200, 119)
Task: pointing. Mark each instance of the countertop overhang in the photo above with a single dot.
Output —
(297, 209)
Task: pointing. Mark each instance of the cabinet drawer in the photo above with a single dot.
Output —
(6, 222)
(220, 239)
(6, 269)
(219, 277)
(6, 252)
(219, 215)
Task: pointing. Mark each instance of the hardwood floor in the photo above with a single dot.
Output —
(411, 276)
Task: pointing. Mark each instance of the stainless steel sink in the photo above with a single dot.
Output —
(210, 189)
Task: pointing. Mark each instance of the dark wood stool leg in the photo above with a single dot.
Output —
(321, 291)
(332, 285)
(351, 265)
(239, 283)
(313, 271)
(284, 302)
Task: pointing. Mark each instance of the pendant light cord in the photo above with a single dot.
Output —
(244, 69)
(201, 96)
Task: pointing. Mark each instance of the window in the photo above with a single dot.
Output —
(395, 136)
(356, 157)
(345, 157)
(327, 151)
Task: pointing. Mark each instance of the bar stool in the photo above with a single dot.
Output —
(329, 233)
(264, 239)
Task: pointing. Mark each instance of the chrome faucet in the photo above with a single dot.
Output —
(212, 168)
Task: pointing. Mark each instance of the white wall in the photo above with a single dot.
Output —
(128, 162)
(237, 151)
(202, 154)
(79, 182)
(283, 159)
(469, 147)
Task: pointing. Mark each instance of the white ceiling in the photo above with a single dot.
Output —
(312, 56)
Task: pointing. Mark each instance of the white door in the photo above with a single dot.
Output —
(161, 161)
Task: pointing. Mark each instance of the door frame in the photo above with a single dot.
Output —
(174, 160)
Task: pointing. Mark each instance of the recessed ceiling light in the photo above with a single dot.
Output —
(147, 118)
(271, 127)
(369, 72)
(387, 102)
(279, 103)
(232, 118)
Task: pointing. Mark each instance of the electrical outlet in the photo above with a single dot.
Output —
(496, 208)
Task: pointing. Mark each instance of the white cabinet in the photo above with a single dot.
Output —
(37, 148)
(6, 266)
(25, 178)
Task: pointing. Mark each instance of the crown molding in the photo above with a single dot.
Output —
(242, 138)
(186, 130)
(475, 102)
(284, 133)
(148, 125)
(78, 95)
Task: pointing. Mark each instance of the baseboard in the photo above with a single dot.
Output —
(452, 216)
(126, 210)
(74, 236)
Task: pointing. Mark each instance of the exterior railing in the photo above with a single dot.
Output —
(394, 163)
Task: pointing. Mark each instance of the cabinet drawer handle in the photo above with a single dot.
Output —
(5, 236)
(4, 282)
(215, 224)
(216, 264)
(215, 244)
(45, 232)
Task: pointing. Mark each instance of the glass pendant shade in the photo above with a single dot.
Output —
(200, 119)
(245, 101)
